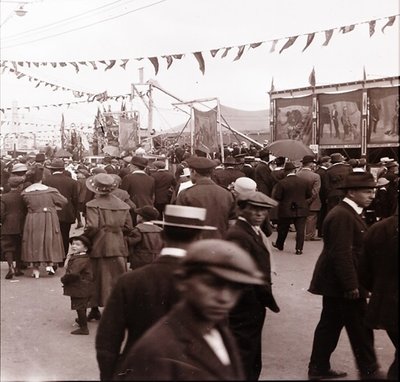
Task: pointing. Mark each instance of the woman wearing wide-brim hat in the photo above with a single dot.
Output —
(107, 219)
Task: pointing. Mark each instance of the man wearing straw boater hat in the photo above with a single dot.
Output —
(144, 295)
(193, 341)
(205, 193)
(336, 279)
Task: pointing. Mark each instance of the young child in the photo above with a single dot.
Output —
(145, 242)
(78, 280)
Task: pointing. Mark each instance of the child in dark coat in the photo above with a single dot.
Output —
(78, 280)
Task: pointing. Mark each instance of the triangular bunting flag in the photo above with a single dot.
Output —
(124, 62)
(389, 23)
(54, 64)
(310, 39)
(28, 64)
(103, 62)
(169, 60)
(38, 84)
(44, 63)
(214, 52)
(311, 78)
(372, 24)
(288, 43)
(226, 52)
(93, 63)
(273, 46)
(177, 56)
(200, 60)
(37, 64)
(20, 63)
(75, 65)
(328, 36)
(20, 75)
(111, 64)
(154, 61)
(82, 63)
(14, 64)
(240, 52)
(347, 28)
(63, 64)
(255, 44)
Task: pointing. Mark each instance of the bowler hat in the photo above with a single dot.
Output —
(19, 167)
(337, 157)
(185, 217)
(139, 162)
(289, 166)
(308, 159)
(159, 164)
(98, 170)
(40, 157)
(201, 163)
(224, 259)
(358, 180)
(264, 153)
(57, 164)
(148, 212)
(244, 184)
(230, 161)
(101, 183)
(84, 239)
(257, 198)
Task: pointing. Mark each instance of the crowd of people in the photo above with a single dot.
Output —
(179, 249)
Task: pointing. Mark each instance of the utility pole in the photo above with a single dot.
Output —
(150, 119)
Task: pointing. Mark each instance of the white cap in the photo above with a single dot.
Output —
(244, 184)
(186, 172)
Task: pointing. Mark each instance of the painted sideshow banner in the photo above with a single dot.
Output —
(128, 133)
(340, 118)
(383, 115)
(205, 136)
(294, 119)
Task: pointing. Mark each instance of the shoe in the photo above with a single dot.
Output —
(35, 273)
(18, 272)
(299, 252)
(94, 315)
(275, 246)
(50, 271)
(83, 330)
(374, 376)
(315, 239)
(10, 274)
(314, 374)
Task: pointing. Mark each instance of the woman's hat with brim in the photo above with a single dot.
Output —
(356, 180)
(19, 167)
(382, 182)
(101, 184)
(185, 217)
(84, 239)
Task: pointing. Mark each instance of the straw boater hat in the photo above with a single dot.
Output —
(223, 259)
(101, 183)
(185, 217)
(356, 180)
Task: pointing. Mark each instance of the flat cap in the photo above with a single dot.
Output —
(257, 198)
(200, 163)
(159, 164)
(337, 157)
(15, 181)
(223, 259)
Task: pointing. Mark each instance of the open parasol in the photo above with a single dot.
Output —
(289, 148)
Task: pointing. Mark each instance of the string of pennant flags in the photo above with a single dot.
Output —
(100, 98)
(155, 61)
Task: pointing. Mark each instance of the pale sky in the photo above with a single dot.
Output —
(185, 26)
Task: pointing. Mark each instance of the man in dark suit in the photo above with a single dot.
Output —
(246, 320)
(139, 185)
(228, 174)
(143, 296)
(262, 173)
(379, 274)
(163, 187)
(336, 174)
(323, 166)
(336, 278)
(193, 342)
(293, 194)
(218, 202)
(68, 188)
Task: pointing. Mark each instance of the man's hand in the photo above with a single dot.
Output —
(352, 294)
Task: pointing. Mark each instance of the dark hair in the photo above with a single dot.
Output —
(205, 172)
(37, 174)
(184, 235)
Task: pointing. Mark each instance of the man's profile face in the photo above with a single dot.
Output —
(255, 215)
(212, 297)
(362, 196)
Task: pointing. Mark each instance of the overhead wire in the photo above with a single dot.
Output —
(85, 26)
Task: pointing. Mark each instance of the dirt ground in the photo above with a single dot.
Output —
(36, 321)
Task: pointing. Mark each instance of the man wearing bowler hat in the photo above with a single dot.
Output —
(218, 202)
(143, 296)
(246, 320)
(336, 278)
(323, 165)
(193, 342)
(307, 173)
(69, 189)
(229, 173)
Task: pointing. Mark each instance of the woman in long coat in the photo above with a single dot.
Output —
(41, 241)
(107, 220)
